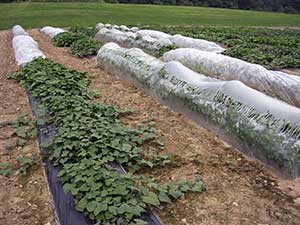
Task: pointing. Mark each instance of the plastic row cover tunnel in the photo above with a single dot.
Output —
(151, 40)
(130, 39)
(283, 86)
(52, 31)
(99, 26)
(268, 127)
(26, 49)
(64, 203)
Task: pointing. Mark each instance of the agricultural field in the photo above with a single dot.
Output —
(131, 136)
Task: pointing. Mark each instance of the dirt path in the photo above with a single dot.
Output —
(238, 190)
(24, 199)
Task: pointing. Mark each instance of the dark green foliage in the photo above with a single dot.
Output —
(25, 163)
(85, 47)
(5, 169)
(274, 49)
(89, 138)
(87, 31)
(65, 39)
(165, 49)
(24, 129)
(290, 6)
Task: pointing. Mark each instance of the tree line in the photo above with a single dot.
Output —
(289, 6)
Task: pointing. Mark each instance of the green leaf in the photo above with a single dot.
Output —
(21, 132)
(67, 187)
(83, 203)
(124, 208)
(91, 206)
(163, 197)
(151, 199)
(21, 142)
(100, 208)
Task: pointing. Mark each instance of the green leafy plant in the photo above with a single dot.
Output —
(25, 164)
(24, 128)
(87, 31)
(90, 139)
(165, 49)
(65, 39)
(5, 169)
(85, 47)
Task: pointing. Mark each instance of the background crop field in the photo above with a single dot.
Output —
(31, 15)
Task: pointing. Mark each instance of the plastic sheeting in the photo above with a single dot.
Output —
(18, 30)
(52, 31)
(124, 28)
(266, 125)
(277, 84)
(181, 41)
(107, 25)
(152, 33)
(130, 40)
(177, 40)
(188, 42)
(26, 49)
(99, 26)
(134, 29)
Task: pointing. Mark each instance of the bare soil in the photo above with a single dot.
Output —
(24, 199)
(238, 190)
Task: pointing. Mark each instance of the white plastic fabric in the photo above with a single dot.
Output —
(26, 49)
(124, 28)
(177, 40)
(18, 30)
(130, 40)
(269, 126)
(134, 29)
(52, 31)
(181, 41)
(99, 26)
(152, 33)
(188, 42)
(112, 35)
(116, 27)
(283, 86)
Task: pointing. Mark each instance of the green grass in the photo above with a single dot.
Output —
(31, 15)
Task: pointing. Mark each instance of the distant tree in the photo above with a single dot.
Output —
(291, 6)
(244, 4)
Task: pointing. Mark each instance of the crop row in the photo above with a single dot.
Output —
(89, 140)
(274, 49)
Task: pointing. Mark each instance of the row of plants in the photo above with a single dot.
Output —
(80, 41)
(274, 49)
(90, 139)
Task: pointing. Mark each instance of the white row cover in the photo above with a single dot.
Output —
(99, 26)
(130, 40)
(181, 41)
(262, 122)
(26, 49)
(152, 33)
(177, 40)
(18, 30)
(273, 83)
(52, 31)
